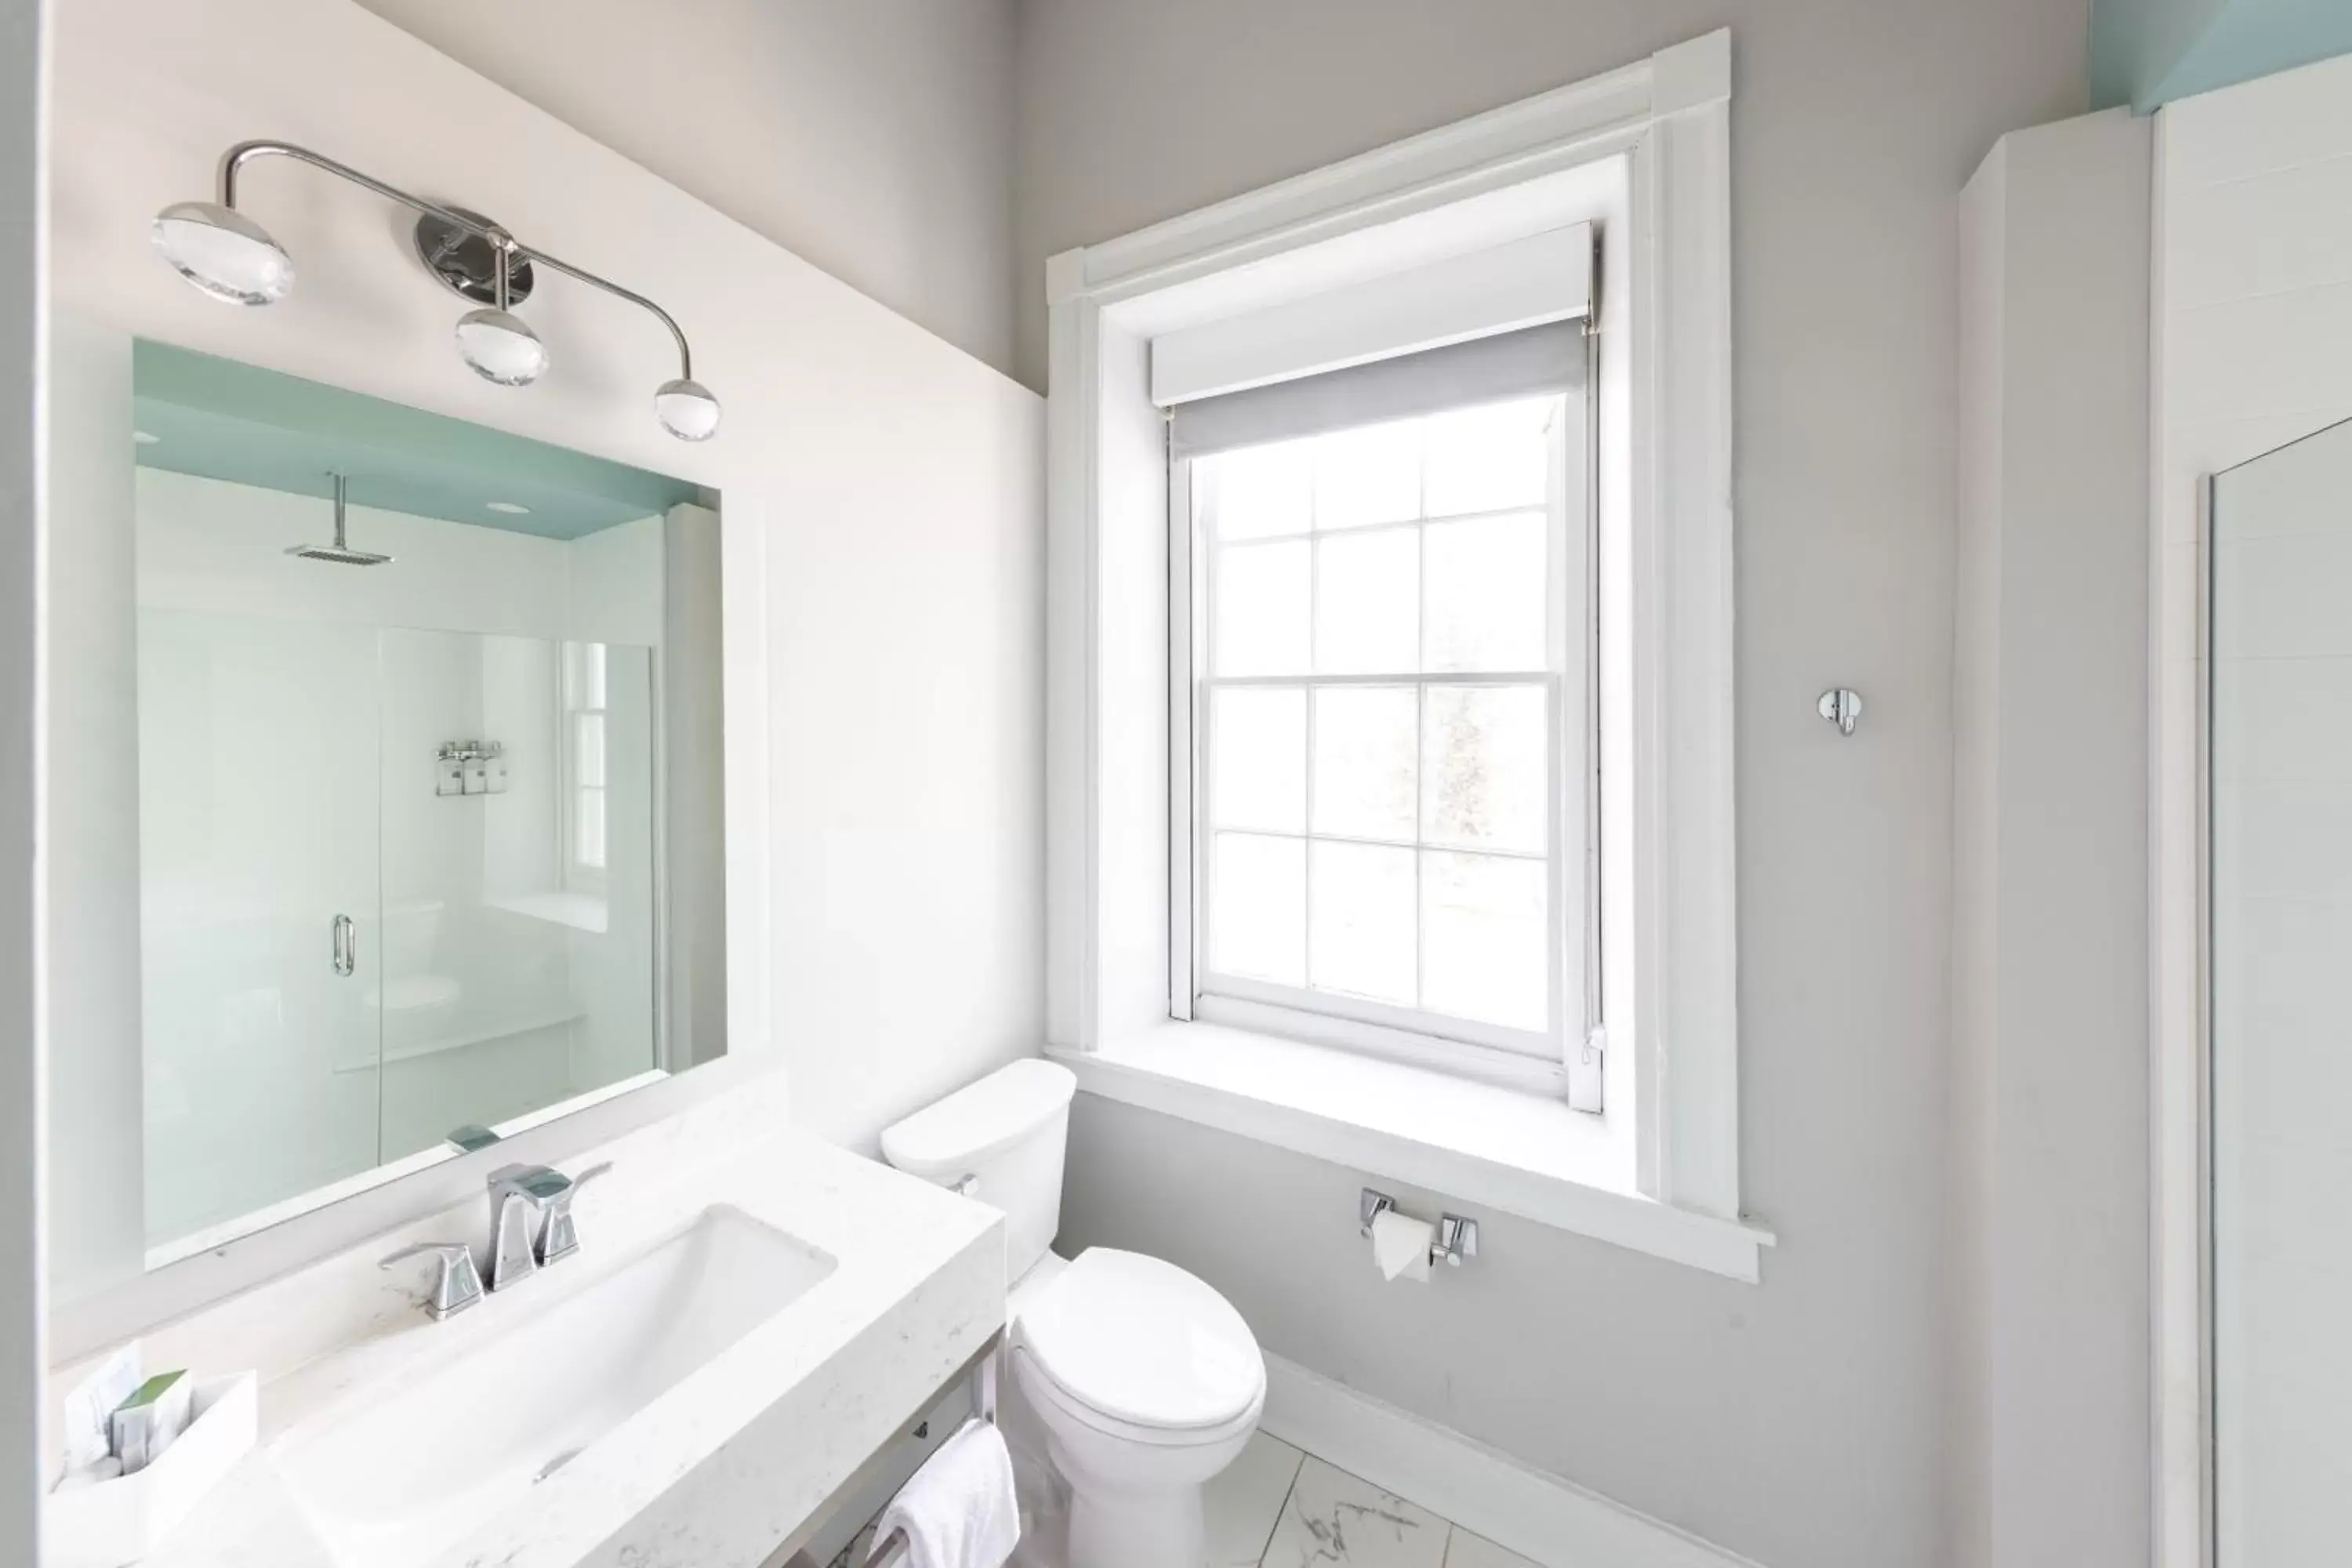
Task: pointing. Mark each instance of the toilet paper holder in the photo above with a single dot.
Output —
(1456, 1237)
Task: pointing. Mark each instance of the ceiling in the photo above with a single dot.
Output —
(219, 419)
(2148, 53)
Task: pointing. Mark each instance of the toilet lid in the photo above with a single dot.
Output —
(1141, 1341)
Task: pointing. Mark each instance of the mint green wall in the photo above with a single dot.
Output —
(219, 419)
(2146, 53)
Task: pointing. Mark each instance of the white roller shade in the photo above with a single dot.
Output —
(1515, 365)
(1505, 288)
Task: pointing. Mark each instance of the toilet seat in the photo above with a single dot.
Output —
(1134, 1347)
(1058, 1405)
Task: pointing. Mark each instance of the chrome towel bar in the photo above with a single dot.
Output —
(892, 1548)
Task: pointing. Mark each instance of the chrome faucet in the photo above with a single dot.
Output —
(519, 1195)
(530, 1220)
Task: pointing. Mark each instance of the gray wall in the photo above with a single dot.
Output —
(874, 139)
(22, 107)
(1801, 1422)
(2050, 1343)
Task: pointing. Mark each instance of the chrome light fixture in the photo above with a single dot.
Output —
(228, 257)
(501, 347)
(686, 409)
(223, 253)
(496, 342)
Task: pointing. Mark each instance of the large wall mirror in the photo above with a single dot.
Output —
(2279, 892)
(428, 779)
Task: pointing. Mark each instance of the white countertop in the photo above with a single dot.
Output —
(714, 1473)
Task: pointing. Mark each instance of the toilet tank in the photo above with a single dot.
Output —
(1006, 1132)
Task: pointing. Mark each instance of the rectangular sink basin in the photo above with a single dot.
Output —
(394, 1484)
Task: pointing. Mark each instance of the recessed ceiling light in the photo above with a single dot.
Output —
(510, 508)
(145, 438)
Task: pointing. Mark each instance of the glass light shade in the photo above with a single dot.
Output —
(223, 253)
(688, 410)
(501, 347)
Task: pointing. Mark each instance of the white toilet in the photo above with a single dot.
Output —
(1143, 1381)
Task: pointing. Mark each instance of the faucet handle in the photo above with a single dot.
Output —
(561, 1238)
(458, 1285)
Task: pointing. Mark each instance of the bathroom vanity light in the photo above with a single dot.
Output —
(228, 257)
(223, 253)
(688, 410)
(501, 347)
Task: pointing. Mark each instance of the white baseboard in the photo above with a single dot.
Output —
(1550, 1521)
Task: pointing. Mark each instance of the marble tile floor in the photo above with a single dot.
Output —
(1278, 1508)
(1275, 1506)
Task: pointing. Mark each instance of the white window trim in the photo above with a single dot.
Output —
(1663, 126)
(1475, 1145)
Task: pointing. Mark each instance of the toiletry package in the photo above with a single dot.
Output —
(93, 1522)
(147, 1423)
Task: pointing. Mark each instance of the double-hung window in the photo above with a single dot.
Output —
(1389, 664)
(1387, 613)
(585, 761)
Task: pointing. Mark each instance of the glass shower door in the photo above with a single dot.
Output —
(2280, 902)
(396, 884)
(258, 853)
(519, 935)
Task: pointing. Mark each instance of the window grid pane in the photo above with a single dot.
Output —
(588, 829)
(1422, 878)
(586, 681)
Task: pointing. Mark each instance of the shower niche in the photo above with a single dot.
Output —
(428, 775)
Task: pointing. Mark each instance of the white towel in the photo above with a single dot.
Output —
(959, 1511)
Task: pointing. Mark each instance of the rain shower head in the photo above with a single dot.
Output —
(340, 552)
(338, 555)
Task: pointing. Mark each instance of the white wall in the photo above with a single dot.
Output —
(2050, 1374)
(881, 530)
(2253, 316)
(23, 111)
(1801, 1422)
(874, 140)
(218, 547)
(612, 582)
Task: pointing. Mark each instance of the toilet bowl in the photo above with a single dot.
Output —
(1145, 1383)
(1137, 1380)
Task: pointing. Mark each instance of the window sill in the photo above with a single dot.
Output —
(1521, 1153)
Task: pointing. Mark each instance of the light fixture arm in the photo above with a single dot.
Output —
(507, 246)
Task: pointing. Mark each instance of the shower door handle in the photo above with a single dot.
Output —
(346, 946)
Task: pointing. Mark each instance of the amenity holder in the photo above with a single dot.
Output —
(109, 1523)
(892, 1548)
(470, 767)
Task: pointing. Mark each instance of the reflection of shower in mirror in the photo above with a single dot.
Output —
(337, 962)
(340, 552)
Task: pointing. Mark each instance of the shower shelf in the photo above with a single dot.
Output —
(581, 912)
(502, 1029)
